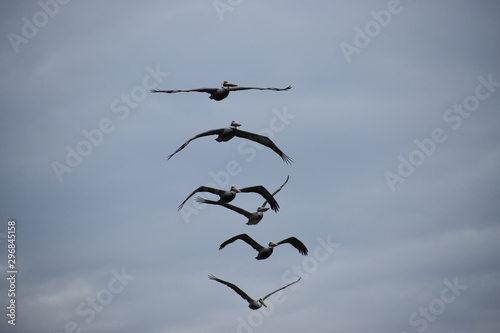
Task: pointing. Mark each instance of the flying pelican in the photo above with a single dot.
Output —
(253, 218)
(253, 304)
(219, 94)
(227, 133)
(228, 196)
(265, 252)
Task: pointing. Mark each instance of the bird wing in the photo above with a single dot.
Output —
(225, 204)
(201, 189)
(243, 237)
(296, 243)
(279, 189)
(258, 88)
(211, 132)
(280, 289)
(263, 140)
(232, 286)
(207, 90)
(265, 193)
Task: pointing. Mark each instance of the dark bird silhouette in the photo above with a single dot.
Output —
(252, 304)
(228, 196)
(265, 252)
(220, 93)
(253, 218)
(227, 133)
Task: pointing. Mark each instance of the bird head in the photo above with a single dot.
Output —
(234, 189)
(261, 301)
(235, 124)
(271, 244)
(262, 209)
(226, 83)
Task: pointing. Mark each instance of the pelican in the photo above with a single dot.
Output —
(265, 252)
(253, 218)
(220, 93)
(253, 304)
(227, 133)
(228, 196)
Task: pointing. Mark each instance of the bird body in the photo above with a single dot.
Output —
(252, 304)
(219, 93)
(228, 196)
(265, 252)
(227, 133)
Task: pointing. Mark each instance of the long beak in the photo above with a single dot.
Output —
(272, 244)
(262, 302)
(234, 188)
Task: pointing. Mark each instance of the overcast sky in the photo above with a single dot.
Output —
(392, 123)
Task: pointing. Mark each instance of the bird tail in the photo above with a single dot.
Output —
(201, 200)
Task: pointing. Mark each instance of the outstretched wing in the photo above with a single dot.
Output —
(232, 286)
(258, 88)
(264, 140)
(296, 243)
(280, 289)
(211, 132)
(265, 193)
(201, 189)
(207, 90)
(279, 189)
(243, 237)
(225, 204)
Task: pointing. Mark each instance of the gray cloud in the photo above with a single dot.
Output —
(350, 123)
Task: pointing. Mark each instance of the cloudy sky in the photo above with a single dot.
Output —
(392, 123)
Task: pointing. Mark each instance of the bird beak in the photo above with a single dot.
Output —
(262, 302)
(235, 189)
(272, 244)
